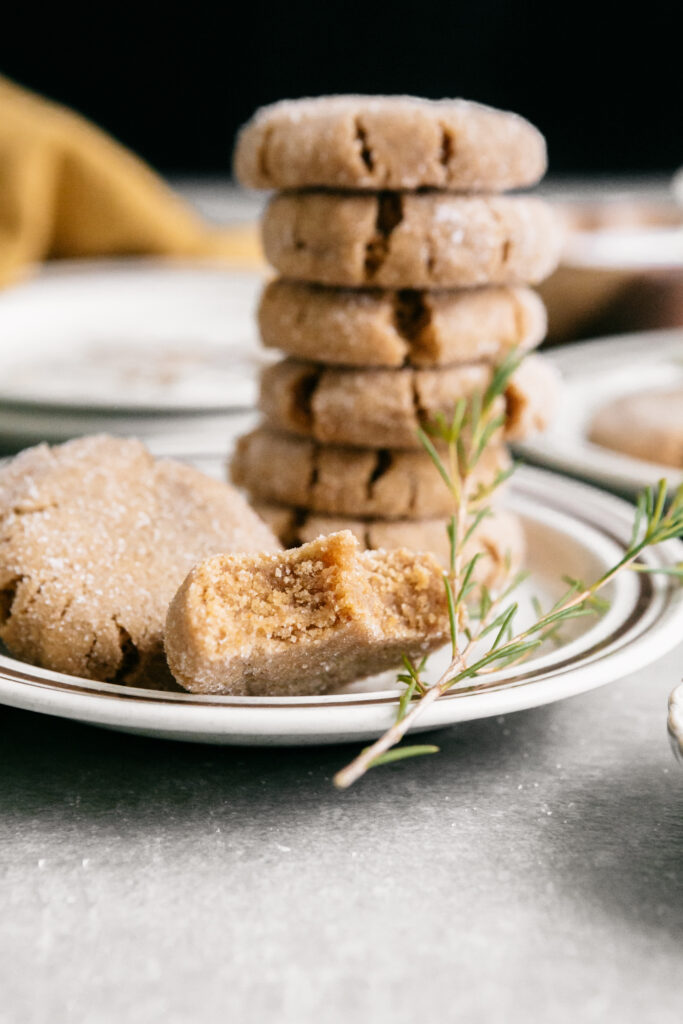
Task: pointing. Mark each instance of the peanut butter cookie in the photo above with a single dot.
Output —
(385, 408)
(341, 481)
(395, 240)
(304, 621)
(371, 327)
(397, 142)
(646, 425)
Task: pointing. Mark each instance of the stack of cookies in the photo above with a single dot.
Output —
(403, 284)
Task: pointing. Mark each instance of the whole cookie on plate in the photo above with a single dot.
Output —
(372, 327)
(386, 408)
(396, 142)
(404, 240)
(499, 537)
(645, 424)
(343, 481)
(95, 538)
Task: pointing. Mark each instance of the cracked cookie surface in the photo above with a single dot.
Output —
(374, 327)
(402, 240)
(304, 621)
(385, 408)
(397, 142)
(95, 538)
(344, 481)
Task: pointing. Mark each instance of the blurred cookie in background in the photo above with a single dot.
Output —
(644, 424)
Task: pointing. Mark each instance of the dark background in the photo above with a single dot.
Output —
(604, 81)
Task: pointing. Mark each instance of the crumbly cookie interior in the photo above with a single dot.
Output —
(403, 586)
(282, 600)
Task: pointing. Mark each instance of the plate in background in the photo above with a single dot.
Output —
(201, 436)
(143, 336)
(571, 528)
(594, 373)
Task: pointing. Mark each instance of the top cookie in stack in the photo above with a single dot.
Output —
(403, 284)
(402, 143)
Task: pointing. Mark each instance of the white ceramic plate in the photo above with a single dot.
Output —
(594, 373)
(135, 335)
(571, 528)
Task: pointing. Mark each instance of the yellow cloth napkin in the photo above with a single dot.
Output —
(68, 190)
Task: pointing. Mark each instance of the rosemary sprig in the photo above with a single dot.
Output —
(474, 612)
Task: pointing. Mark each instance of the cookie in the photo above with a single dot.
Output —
(371, 327)
(394, 240)
(304, 621)
(385, 408)
(366, 483)
(396, 142)
(645, 424)
(499, 536)
(95, 538)
(364, 408)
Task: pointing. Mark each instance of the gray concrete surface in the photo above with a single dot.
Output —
(533, 871)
